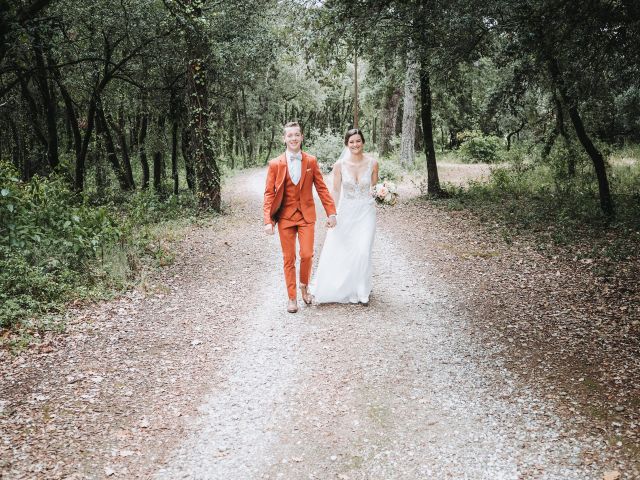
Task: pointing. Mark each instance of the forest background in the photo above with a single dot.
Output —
(120, 120)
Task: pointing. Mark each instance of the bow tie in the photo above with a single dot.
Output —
(297, 157)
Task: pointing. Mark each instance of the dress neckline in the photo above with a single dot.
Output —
(357, 182)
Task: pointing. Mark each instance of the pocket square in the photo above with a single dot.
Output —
(308, 169)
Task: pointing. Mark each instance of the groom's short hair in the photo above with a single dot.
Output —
(291, 125)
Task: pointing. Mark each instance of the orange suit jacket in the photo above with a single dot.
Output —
(309, 175)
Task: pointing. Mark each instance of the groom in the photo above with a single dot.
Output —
(288, 202)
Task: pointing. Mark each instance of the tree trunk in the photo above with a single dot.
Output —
(32, 114)
(157, 171)
(102, 129)
(174, 156)
(571, 160)
(241, 143)
(50, 104)
(119, 128)
(407, 145)
(203, 152)
(142, 151)
(548, 143)
(246, 133)
(134, 133)
(419, 137)
(433, 182)
(96, 156)
(389, 119)
(374, 133)
(188, 161)
(515, 132)
(18, 157)
(231, 139)
(271, 142)
(81, 159)
(606, 202)
(72, 119)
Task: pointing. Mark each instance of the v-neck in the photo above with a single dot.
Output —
(357, 182)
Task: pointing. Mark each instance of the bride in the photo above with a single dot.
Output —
(344, 269)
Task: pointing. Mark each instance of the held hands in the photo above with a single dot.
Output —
(332, 221)
(268, 229)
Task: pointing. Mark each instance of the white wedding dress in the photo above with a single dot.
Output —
(345, 270)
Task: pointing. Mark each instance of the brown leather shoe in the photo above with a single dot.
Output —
(306, 296)
(292, 306)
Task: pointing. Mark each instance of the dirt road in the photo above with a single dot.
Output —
(204, 375)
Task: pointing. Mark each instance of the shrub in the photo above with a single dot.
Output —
(45, 215)
(26, 288)
(53, 242)
(327, 148)
(481, 149)
(48, 236)
(389, 171)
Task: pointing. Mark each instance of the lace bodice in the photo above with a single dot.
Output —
(353, 190)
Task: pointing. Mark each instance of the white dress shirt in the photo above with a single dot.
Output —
(294, 165)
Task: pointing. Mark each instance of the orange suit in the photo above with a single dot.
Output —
(292, 208)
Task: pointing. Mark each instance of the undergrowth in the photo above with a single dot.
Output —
(541, 200)
(57, 246)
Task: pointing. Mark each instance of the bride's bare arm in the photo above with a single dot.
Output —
(374, 173)
(337, 182)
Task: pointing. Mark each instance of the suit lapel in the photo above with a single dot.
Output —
(282, 170)
(303, 169)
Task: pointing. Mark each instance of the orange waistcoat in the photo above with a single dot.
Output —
(282, 198)
(290, 199)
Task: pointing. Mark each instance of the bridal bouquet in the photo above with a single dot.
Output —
(386, 193)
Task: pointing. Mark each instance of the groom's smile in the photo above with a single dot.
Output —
(293, 138)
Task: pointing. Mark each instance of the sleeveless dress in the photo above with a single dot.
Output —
(345, 270)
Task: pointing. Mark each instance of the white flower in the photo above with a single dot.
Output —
(385, 193)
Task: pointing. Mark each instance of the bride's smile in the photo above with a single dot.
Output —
(355, 145)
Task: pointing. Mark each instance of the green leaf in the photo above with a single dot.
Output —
(4, 192)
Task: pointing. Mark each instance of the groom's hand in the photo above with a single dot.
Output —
(331, 221)
(268, 229)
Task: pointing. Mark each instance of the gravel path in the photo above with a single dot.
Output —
(393, 390)
(205, 376)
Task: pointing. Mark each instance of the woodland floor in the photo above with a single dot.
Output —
(475, 359)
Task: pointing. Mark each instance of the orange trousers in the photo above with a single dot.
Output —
(288, 230)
